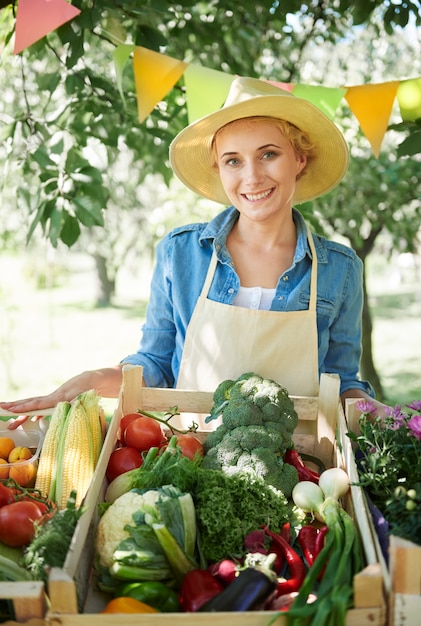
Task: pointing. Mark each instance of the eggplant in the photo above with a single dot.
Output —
(249, 591)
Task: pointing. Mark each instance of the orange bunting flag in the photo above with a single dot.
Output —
(409, 99)
(206, 90)
(155, 75)
(327, 99)
(372, 106)
(37, 18)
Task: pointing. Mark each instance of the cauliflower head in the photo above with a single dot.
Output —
(111, 531)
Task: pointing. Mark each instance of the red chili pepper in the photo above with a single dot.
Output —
(307, 536)
(320, 542)
(198, 587)
(296, 566)
(292, 457)
(320, 539)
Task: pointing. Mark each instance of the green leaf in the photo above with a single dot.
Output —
(70, 231)
(89, 210)
(411, 145)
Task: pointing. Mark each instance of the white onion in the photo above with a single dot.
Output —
(334, 482)
(307, 496)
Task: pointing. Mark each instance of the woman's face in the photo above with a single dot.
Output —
(258, 167)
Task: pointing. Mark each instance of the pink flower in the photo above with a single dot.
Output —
(414, 424)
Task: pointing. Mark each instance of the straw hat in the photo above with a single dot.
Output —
(191, 156)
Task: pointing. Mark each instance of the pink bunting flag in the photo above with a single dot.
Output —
(155, 75)
(206, 90)
(372, 106)
(37, 18)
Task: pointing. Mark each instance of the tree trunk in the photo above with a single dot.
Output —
(368, 368)
(106, 285)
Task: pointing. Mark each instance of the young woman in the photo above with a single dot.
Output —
(253, 289)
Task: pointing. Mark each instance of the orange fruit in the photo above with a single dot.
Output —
(19, 453)
(23, 473)
(124, 604)
(6, 446)
(4, 471)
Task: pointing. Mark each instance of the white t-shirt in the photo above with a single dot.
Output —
(255, 298)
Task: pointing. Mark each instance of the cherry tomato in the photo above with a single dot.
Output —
(122, 460)
(143, 433)
(124, 422)
(190, 446)
(17, 523)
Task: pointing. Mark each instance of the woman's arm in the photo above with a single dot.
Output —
(106, 382)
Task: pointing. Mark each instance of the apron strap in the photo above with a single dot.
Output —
(313, 281)
(209, 275)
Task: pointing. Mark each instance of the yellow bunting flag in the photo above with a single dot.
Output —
(155, 75)
(206, 90)
(120, 56)
(409, 99)
(37, 18)
(372, 106)
(327, 99)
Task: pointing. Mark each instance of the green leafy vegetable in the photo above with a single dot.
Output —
(52, 541)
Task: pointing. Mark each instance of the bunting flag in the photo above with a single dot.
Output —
(372, 106)
(409, 99)
(155, 75)
(37, 18)
(206, 90)
(326, 99)
(120, 57)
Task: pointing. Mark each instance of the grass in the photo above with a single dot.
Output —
(48, 335)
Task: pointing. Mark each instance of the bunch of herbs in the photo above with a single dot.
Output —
(389, 464)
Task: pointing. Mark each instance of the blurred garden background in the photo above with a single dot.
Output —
(86, 191)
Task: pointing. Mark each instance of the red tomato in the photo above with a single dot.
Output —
(190, 446)
(125, 421)
(143, 433)
(17, 523)
(122, 460)
(6, 495)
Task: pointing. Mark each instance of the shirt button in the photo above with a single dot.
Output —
(286, 278)
(281, 298)
(231, 290)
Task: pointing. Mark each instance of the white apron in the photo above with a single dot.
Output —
(224, 341)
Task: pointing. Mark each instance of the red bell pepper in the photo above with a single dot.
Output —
(198, 587)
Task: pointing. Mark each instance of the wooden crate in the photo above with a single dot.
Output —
(402, 579)
(29, 602)
(74, 601)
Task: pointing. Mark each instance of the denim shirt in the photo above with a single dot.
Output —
(182, 262)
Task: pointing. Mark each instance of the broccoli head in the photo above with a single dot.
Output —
(258, 421)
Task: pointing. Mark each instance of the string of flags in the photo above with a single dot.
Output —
(156, 74)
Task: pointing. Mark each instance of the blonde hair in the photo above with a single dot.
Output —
(299, 139)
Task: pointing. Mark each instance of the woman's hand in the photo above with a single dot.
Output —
(106, 382)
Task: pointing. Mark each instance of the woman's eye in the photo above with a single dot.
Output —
(269, 155)
(232, 162)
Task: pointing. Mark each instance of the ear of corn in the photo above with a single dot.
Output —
(46, 471)
(71, 449)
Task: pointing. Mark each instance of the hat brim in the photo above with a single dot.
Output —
(191, 154)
